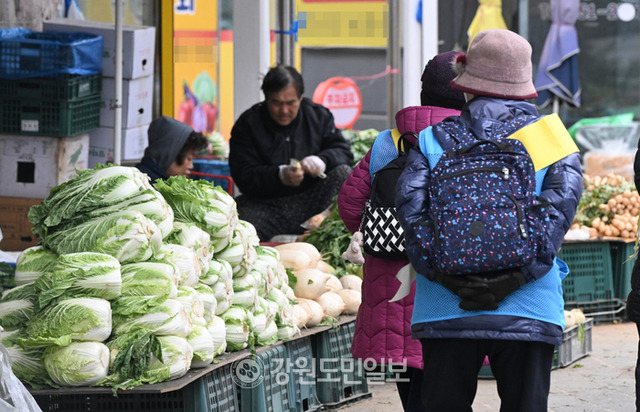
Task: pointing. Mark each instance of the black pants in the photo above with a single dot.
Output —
(284, 215)
(409, 389)
(522, 371)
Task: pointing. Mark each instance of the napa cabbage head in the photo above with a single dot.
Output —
(150, 313)
(202, 343)
(218, 332)
(17, 306)
(32, 263)
(83, 274)
(148, 202)
(128, 236)
(26, 363)
(77, 364)
(185, 260)
(74, 319)
(150, 278)
(91, 189)
(191, 236)
(197, 201)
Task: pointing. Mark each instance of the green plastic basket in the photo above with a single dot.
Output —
(273, 392)
(52, 118)
(61, 87)
(302, 373)
(340, 379)
(590, 275)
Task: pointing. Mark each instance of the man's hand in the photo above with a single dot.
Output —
(313, 166)
(291, 175)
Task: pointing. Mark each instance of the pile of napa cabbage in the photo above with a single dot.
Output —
(136, 283)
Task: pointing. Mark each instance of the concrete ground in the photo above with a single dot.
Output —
(603, 381)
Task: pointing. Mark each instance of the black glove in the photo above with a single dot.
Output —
(482, 292)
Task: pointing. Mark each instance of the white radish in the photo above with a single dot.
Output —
(334, 284)
(352, 300)
(310, 283)
(332, 304)
(316, 314)
(352, 282)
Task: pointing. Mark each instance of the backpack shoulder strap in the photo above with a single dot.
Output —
(546, 141)
(384, 150)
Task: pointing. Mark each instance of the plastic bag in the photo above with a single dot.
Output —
(14, 397)
(608, 148)
(26, 53)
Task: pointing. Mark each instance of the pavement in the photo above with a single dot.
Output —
(603, 381)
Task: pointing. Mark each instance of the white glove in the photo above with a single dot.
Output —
(353, 253)
(313, 165)
(290, 175)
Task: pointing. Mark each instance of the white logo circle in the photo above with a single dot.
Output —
(247, 372)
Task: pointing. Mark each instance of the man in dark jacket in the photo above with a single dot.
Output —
(286, 157)
(515, 317)
(172, 147)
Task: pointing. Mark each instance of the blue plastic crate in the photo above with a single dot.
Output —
(26, 53)
(213, 170)
(340, 379)
(590, 272)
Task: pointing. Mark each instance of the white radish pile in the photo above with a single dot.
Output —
(319, 293)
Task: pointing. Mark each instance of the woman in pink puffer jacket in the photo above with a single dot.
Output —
(383, 329)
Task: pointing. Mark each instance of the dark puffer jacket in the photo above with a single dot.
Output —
(258, 146)
(633, 300)
(532, 312)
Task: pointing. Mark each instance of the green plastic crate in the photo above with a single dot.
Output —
(590, 275)
(61, 87)
(302, 374)
(602, 311)
(622, 267)
(220, 391)
(52, 118)
(340, 379)
(272, 393)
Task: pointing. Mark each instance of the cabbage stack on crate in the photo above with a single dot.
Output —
(132, 283)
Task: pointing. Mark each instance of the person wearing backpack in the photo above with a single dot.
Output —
(485, 200)
(382, 331)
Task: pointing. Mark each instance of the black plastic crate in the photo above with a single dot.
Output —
(61, 87)
(184, 400)
(52, 118)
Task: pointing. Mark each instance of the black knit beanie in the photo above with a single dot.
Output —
(436, 77)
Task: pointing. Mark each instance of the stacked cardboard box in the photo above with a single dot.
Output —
(137, 87)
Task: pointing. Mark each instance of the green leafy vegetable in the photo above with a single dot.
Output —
(84, 274)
